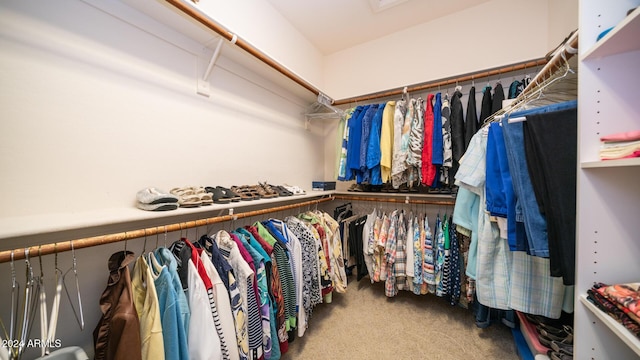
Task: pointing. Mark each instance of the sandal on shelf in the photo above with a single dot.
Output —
(233, 196)
(264, 194)
(219, 197)
(281, 190)
(186, 197)
(268, 190)
(294, 189)
(245, 193)
(205, 197)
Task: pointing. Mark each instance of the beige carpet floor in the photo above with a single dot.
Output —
(364, 324)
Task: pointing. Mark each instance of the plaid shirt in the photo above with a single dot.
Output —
(390, 257)
(401, 253)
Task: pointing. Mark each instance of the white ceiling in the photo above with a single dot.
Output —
(334, 25)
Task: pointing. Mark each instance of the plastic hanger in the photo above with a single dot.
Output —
(55, 307)
(44, 326)
(79, 315)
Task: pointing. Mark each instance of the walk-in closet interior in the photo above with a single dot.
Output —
(435, 180)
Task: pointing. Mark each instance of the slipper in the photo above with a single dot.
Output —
(153, 196)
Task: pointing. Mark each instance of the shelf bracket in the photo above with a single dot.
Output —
(203, 84)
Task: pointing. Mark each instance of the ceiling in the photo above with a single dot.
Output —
(334, 25)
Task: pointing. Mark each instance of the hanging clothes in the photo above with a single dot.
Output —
(374, 154)
(386, 141)
(486, 105)
(261, 262)
(174, 333)
(416, 142)
(498, 97)
(363, 175)
(355, 138)
(344, 172)
(402, 130)
(458, 145)
(145, 299)
(551, 143)
(428, 169)
(447, 155)
(117, 335)
(471, 119)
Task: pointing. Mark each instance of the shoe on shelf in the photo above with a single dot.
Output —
(352, 187)
(186, 197)
(152, 196)
(294, 189)
(264, 193)
(219, 197)
(281, 190)
(553, 355)
(245, 193)
(231, 195)
(562, 348)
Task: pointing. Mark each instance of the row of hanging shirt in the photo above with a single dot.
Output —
(243, 294)
(413, 142)
(401, 250)
(516, 198)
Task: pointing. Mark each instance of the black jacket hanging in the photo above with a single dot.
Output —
(498, 96)
(485, 109)
(471, 121)
(457, 132)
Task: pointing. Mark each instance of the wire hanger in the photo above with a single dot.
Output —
(79, 315)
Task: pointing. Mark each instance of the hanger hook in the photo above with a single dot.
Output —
(73, 255)
(40, 260)
(157, 237)
(144, 245)
(126, 238)
(13, 270)
(165, 236)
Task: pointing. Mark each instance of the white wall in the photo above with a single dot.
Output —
(94, 108)
(260, 24)
(495, 33)
(563, 19)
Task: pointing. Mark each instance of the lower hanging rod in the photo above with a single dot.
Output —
(48, 249)
(396, 200)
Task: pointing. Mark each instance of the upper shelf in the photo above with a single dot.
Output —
(623, 38)
(94, 222)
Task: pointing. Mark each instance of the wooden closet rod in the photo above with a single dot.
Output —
(395, 200)
(47, 249)
(444, 82)
(568, 49)
(234, 39)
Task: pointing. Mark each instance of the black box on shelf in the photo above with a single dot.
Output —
(323, 185)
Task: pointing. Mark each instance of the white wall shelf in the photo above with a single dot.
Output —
(54, 227)
(620, 331)
(610, 163)
(623, 38)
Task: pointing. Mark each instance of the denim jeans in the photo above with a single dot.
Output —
(526, 206)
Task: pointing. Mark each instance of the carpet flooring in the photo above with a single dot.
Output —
(364, 324)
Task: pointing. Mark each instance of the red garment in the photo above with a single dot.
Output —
(195, 257)
(428, 169)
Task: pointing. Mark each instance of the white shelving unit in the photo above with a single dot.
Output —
(608, 208)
